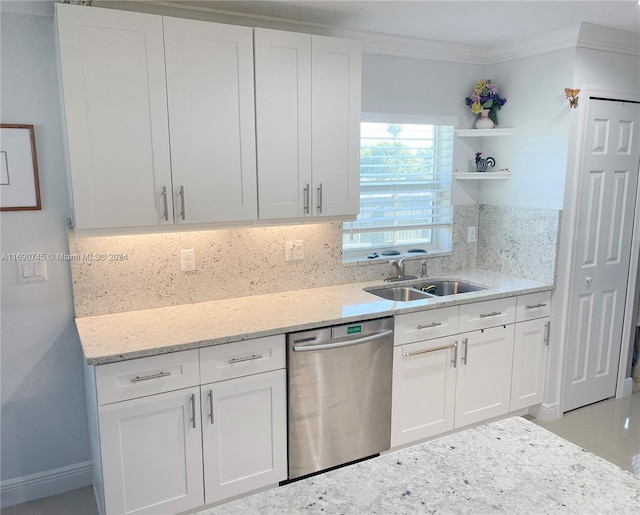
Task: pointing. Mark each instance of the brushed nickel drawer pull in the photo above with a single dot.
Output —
(444, 347)
(137, 379)
(193, 410)
(535, 306)
(247, 358)
(211, 405)
(492, 314)
(427, 326)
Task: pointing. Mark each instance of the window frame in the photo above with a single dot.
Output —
(442, 233)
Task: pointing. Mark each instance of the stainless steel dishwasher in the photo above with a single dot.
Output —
(339, 394)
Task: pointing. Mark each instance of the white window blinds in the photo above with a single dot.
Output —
(405, 188)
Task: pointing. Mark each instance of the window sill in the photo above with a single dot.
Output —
(363, 261)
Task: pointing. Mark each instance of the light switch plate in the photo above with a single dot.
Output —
(32, 271)
(294, 250)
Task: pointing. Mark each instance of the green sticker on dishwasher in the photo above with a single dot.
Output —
(354, 329)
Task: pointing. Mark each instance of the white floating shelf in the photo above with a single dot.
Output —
(482, 176)
(481, 133)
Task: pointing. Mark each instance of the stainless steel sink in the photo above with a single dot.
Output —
(442, 288)
(400, 293)
(423, 290)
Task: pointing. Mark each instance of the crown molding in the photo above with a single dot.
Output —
(583, 35)
(597, 37)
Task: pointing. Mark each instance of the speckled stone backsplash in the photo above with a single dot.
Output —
(230, 263)
(519, 241)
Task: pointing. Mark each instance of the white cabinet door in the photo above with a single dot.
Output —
(244, 434)
(335, 130)
(424, 385)
(211, 120)
(483, 388)
(283, 123)
(152, 453)
(529, 363)
(115, 109)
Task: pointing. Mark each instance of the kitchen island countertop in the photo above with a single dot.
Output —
(510, 466)
(134, 334)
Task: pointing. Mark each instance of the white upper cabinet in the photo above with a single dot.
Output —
(308, 125)
(113, 86)
(211, 120)
(162, 119)
(335, 107)
(283, 122)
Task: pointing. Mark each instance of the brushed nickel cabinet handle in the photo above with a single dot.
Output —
(182, 204)
(247, 358)
(165, 203)
(444, 347)
(320, 198)
(211, 405)
(137, 379)
(465, 342)
(492, 314)
(547, 330)
(427, 326)
(535, 306)
(305, 199)
(454, 361)
(193, 410)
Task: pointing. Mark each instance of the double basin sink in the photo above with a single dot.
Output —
(423, 289)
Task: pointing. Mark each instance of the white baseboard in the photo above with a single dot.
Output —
(628, 387)
(43, 484)
(546, 412)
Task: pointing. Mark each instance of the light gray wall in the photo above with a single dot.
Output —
(43, 424)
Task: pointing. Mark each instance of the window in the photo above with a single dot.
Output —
(405, 187)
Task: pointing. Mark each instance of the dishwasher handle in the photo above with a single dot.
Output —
(358, 341)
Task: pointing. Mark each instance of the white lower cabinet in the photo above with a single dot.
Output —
(244, 434)
(163, 442)
(529, 362)
(495, 365)
(424, 390)
(483, 388)
(151, 451)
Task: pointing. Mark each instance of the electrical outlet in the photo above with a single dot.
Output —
(294, 250)
(472, 234)
(187, 260)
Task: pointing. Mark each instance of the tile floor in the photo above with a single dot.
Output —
(610, 429)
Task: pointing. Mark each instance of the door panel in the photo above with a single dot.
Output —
(211, 120)
(602, 252)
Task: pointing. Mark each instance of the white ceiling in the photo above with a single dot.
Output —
(481, 22)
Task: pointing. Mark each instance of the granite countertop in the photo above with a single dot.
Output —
(510, 466)
(135, 334)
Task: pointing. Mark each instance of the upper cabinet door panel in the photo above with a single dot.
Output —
(283, 119)
(336, 76)
(211, 120)
(113, 84)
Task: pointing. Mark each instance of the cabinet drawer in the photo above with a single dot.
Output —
(491, 313)
(424, 325)
(239, 359)
(147, 376)
(533, 305)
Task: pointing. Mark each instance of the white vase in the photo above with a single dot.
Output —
(484, 122)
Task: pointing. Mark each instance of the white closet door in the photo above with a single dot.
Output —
(115, 108)
(336, 77)
(211, 120)
(602, 252)
(283, 123)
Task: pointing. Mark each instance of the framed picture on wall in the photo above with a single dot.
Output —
(19, 185)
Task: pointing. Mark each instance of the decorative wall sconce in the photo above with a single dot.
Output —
(572, 95)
